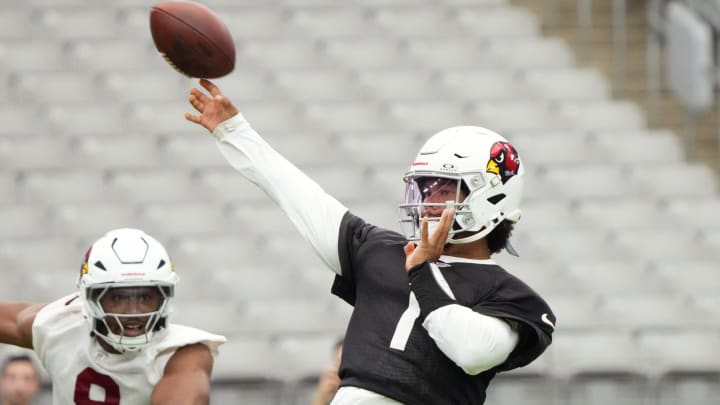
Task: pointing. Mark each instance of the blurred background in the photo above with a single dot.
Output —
(611, 103)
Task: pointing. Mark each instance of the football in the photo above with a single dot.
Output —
(192, 39)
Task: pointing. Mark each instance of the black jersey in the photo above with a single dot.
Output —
(375, 282)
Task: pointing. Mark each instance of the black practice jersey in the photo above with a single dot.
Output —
(375, 282)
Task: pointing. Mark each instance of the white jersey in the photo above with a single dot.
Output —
(82, 372)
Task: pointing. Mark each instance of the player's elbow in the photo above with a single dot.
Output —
(491, 350)
(483, 357)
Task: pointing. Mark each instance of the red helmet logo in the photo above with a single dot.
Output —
(504, 161)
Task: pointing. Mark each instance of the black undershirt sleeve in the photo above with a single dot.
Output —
(429, 294)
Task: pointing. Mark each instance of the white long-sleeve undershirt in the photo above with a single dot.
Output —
(475, 342)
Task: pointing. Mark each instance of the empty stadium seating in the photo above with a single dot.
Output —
(619, 233)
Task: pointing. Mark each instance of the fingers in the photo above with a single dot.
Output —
(424, 231)
(409, 248)
(193, 118)
(443, 228)
(211, 87)
(202, 97)
(196, 103)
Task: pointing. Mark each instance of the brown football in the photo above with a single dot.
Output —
(192, 39)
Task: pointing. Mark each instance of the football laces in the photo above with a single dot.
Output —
(170, 62)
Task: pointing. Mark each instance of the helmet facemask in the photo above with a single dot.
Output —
(125, 316)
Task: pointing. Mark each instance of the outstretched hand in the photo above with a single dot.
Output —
(213, 109)
(431, 246)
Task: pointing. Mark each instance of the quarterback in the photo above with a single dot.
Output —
(434, 318)
(111, 343)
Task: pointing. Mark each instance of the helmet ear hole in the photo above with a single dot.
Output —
(494, 200)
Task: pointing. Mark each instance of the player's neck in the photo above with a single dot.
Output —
(477, 250)
(106, 346)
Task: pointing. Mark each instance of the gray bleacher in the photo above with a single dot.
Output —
(619, 233)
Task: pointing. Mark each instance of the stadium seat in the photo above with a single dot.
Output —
(155, 185)
(688, 388)
(280, 53)
(143, 86)
(248, 357)
(590, 181)
(193, 149)
(612, 277)
(429, 116)
(365, 53)
(698, 350)
(23, 221)
(414, 21)
(619, 213)
(317, 85)
(35, 151)
(53, 87)
(112, 55)
(88, 118)
(29, 54)
(267, 116)
(399, 84)
(62, 185)
(113, 152)
(563, 149)
(344, 116)
(602, 115)
(663, 243)
(247, 23)
(639, 146)
(597, 351)
(567, 84)
(529, 53)
(637, 311)
(246, 85)
(507, 116)
(689, 276)
(458, 52)
(576, 312)
(694, 211)
(673, 180)
(336, 21)
(14, 22)
(370, 148)
(91, 219)
(30, 260)
(186, 218)
(280, 315)
(224, 184)
(77, 22)
(539, 215)
(481, 84)
(497, 22)
(307, 355)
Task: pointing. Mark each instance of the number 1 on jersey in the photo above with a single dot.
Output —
(405, 324)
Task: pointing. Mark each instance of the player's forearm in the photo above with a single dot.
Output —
(16, 323)
(475, 342)
(315, 214)
(186, 389)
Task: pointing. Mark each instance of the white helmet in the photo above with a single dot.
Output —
(478, 162)
(131, 260)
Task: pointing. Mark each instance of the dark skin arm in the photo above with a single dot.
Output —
(186, 380)
(16, 320)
